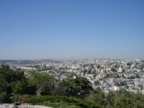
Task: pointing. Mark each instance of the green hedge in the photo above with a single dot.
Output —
(61, 102)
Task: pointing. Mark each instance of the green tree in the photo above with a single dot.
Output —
(78, 87)
(97, 96)
(41, 82)
(10, 81)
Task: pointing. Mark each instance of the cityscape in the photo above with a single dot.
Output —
(107, 74)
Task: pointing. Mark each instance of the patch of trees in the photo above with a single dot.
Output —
(44, 89)
(14, 84)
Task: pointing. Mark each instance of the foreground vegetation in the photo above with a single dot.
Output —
(43, 89)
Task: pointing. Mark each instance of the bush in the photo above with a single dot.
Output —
(61, 102)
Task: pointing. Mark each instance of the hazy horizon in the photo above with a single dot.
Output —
(76, 29)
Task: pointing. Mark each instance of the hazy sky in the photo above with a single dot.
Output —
(38, 29)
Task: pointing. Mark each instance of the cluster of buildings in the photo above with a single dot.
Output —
(107, 74)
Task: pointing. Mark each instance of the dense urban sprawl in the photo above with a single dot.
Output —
(107, 74)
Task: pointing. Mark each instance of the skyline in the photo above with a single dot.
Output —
(71, 29)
